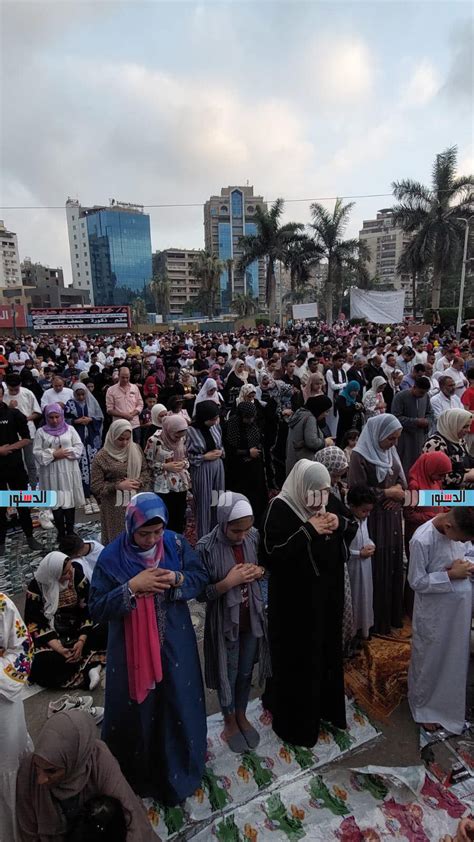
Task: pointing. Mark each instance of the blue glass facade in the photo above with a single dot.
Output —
(225, 253)
(251, 273)
(120, 253)
(237, 204)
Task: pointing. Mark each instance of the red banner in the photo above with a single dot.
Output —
(6, 316)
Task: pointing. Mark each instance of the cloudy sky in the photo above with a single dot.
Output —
(165, 103)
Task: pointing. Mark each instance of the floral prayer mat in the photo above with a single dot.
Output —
(231, 780)
(377, 676)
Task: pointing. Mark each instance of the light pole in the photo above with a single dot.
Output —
(466, 221)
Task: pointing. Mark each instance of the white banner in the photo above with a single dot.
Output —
(383, 308)
(305, 311)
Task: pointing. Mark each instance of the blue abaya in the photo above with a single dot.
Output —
(160, 743)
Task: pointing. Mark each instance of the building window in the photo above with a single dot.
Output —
(78, 274)
(224, 209)
(77, 265)
(87, 273)
(73, 218)
(75, 236)
(236, 202)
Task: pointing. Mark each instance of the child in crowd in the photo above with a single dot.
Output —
(146, 424)
(84, 552)
(440, 574)
(361, 500)
(349, 441)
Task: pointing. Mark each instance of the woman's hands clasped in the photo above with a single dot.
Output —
(152, 581)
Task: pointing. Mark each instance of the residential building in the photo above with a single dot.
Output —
(386, 243)
(110, 250)
(227, 218)
(46, 287)
(9, 258)
(177, 265)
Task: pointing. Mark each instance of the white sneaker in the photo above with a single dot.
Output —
(97, 714)
(95, 506)
(88, 508)
(44, 521)
(94, 677)
(69, 702)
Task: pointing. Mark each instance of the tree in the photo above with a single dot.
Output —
(303, 254)
(244, 305)
(430, 215)
(139, 312)
(340, 254)
(208, 269)
(160, 288)
(271, 242)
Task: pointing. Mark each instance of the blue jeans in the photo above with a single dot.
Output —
(241, 655)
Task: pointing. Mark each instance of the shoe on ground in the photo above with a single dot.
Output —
(95, 506)
(88, 508)
(251, 737)
(94, 677)
(97, 714)
(45, 521)
(70, 702)
(34, 544)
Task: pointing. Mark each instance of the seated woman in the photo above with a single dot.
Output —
(68, 648)
(235, 634)
(155, 716)
(69, 767)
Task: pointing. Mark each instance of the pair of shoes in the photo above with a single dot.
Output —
(84, 703)
(34, 544)
(94, 677)
(69, 702)
(251, 737)
(45, 521)
(95, 506)
(88, 508)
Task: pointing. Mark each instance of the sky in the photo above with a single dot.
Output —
(164, 103)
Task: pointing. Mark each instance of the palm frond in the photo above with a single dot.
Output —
(444, 168)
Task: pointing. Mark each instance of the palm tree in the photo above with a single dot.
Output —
(208, 269)
(340, 254)
(244, 305)
(160, 288)
(430, 215)
(301, 257)
(271, 242)
(139, 311)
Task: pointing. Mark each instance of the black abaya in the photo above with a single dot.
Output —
(305, 623)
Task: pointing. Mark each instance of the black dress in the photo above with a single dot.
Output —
(349, 418)
(306, 601)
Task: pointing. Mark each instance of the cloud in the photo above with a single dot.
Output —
(422, 87)
(459, 85)
(340, 69)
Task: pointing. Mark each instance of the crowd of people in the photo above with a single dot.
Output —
(268, 473)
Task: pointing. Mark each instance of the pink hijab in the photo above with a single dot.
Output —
(173, 424)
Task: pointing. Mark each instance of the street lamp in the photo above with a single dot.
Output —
(466, 221)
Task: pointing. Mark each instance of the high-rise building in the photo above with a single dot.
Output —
(110, 250)
(386, 243)
(227, 218)
(10, 275)
(177, 265)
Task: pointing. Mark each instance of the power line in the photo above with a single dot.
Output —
(200, 204)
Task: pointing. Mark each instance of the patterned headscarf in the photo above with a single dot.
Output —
(246, 390)
(333, 458)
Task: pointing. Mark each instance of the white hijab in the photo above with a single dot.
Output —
(48, 573)
(203, 394)
(368, 445)
(304, 478)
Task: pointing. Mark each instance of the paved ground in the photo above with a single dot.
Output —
(399, 747)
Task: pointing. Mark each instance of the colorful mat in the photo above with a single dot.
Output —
(377, 676)
(231, 780)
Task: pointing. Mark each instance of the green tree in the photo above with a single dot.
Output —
(244, 305)
(303, 254)
(271, 242)
(139, 311)
(207, 269)
(160, 288)
(341, 255)
(430, 215)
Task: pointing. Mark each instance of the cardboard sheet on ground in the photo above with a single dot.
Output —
(232, 780)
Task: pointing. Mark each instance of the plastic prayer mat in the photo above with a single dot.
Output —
(232, 780)
(359, 805)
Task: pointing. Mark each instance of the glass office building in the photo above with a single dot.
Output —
(120, 254)
(227, 218)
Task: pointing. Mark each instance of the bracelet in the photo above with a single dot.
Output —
(178, 579)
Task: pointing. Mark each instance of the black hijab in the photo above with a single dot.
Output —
(206, 411)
